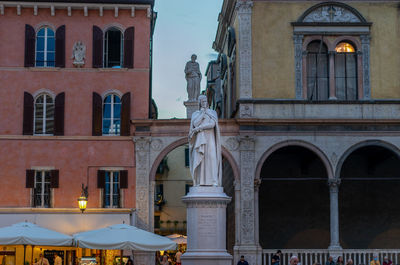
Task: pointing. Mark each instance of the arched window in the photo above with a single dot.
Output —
(317, 71)
(111, 115)
(346, 71)
(44, 115)
(113, 48)
(45, 48)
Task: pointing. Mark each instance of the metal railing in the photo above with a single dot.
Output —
(311, 256)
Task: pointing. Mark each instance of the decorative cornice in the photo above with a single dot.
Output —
(70, 6)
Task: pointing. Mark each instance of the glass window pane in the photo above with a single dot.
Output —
(107, 201)
(116, 177)
(50, 64)
(49, 126)
(40, 99)
(117, 99)
(107, 111)
(47, 177)
(116, 201)
(40, 44)
(41, 32)
(50, 44)
(50, 57)
(108, 99)
(50, 32)
(106, 126)
(49, 99)
(38, 126)
(116, 127)
(107, 176)
(50, 111)
(38, 176)
(117, 111)
(39, 58)
(39, 110)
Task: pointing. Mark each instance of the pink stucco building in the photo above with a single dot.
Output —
(73, 74)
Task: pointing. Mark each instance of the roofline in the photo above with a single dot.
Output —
(128, 2)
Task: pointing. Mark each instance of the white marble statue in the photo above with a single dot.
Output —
(205, 146)
(78, 54)
(193, 78)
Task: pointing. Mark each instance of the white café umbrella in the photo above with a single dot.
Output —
(26, 233)
(177, 238)
(123, 237)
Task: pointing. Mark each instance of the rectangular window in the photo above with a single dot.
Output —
(41, 190)
(112, 192)
(186, 157)
(187, 188)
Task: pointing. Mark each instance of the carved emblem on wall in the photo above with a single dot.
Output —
(156, 144)
(232, 144)
(79, 54)
(331, 14)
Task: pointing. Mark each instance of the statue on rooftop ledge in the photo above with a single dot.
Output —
(205, 146)
(193, 78)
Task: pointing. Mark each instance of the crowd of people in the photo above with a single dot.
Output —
(294, 260)
(166, 259)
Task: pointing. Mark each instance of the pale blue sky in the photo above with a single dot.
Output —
(183, 27)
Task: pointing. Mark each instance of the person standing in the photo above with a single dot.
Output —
(276, 258)
(340, 261)
(375, 261)
(294, 260)
(57, 259)
(387, 261)
(164, 260)
(330, 261)
(178, 257)
(42, 260)
(349, 262)
(242, 261)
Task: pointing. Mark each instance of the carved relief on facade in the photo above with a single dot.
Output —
(331, 14)
(79, 54)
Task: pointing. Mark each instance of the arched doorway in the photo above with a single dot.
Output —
(172, 179)
(294, 207)
(368, 203)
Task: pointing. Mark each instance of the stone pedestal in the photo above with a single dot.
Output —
(191, 106)
(206, 227)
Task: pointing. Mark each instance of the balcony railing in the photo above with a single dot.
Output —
(311, 256)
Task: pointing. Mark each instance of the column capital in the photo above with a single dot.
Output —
(298, 38)
(244, 6)
(365, 39)
(142, 143)
(334, 184)
(247, 143)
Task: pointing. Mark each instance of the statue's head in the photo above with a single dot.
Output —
(203, 102)
(194, 57)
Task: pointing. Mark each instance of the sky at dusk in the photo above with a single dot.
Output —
(183, 27)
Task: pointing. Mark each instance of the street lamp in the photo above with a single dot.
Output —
(83, 199)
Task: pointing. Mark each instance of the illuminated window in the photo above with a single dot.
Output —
(344, 47)
(111, 115)
(346, 72)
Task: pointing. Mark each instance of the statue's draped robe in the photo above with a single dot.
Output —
(193, 78)
(205, 150)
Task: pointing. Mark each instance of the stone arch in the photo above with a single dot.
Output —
(118, 26)
(111, 91)
(352, 15)
(45, 24)
(351, 39)
(354, 147)
(44, 91)
(321, 155)
(225, 153)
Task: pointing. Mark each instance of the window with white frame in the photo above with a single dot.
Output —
(41, 190)
(112, 192)
(44, 115)
(45, 48)
(111, 115)
(113, 48)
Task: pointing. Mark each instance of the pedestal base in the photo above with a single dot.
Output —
(206, 226)
(191, 106)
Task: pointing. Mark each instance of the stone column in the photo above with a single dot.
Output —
(248, 245)
(143, 195)
(334, 207)
(332, 81)
(244, 13)
(298, 63)
(191, 106)
(365, 44)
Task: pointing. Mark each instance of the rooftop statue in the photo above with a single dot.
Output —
(193, 78)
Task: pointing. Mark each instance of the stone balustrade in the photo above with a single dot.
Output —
(311, 256)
